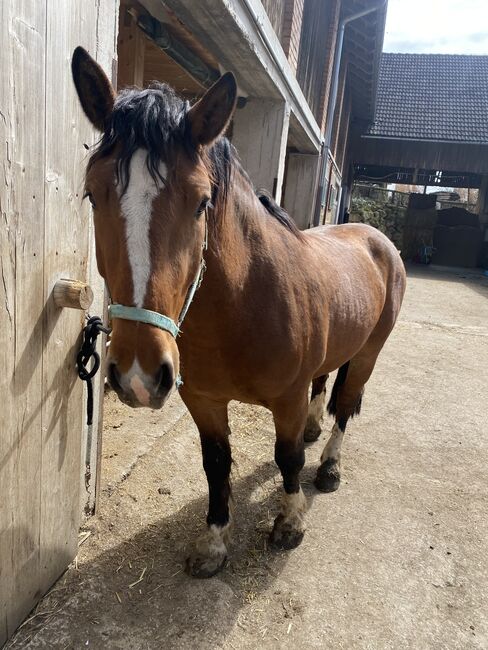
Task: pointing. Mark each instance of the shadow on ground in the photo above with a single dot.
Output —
(115, 607)
(395, 559)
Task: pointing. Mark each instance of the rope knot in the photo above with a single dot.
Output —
(88, 352)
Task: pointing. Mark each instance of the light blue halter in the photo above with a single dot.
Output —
(160, 320)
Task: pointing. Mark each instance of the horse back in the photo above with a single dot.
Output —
(358, 252)
(362, 281)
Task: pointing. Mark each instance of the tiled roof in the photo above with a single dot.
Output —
(432, 97)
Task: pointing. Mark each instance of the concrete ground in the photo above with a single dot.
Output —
(397, 558)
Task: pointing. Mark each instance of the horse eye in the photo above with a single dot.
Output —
(89, 196)
(203, 206)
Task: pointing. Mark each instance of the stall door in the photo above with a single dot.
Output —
(45, 235)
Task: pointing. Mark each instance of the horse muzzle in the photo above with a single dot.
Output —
(137, 388)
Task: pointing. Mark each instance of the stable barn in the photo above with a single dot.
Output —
(282, 53)
(430, 128)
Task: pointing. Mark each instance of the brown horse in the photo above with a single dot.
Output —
(277, 309)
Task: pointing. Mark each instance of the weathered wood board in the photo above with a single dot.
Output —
(45, 234)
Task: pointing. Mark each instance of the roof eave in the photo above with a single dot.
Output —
(407, 139)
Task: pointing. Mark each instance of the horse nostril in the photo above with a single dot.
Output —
(113, 376)
(165, 378)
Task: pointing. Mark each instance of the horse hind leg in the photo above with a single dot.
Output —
(348, 389)
(313, 426)
(289, 417)
(344, 403)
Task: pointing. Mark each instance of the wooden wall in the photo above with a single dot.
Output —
(45, 235)
(313, 55)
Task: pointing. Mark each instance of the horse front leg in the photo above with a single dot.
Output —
(210, 549)
(290, 416)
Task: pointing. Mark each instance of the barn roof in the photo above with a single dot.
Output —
(441, 97)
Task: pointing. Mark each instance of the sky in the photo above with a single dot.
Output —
(437, 26)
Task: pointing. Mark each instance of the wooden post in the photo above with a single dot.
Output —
(130, 47)
(301, 187)
(72, 294)
(260, 135)
(482, 203)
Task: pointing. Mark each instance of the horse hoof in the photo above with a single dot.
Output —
(312, 432)
(328, 476)
(284, 537)
(200, 566)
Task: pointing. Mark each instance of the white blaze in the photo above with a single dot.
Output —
(136, 205)
(140, 390)
(136, 378)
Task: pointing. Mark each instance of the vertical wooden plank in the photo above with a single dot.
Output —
(66, 255)
(22, 143)
(69, 252)
(7, 321)
(105, 54)
(131, 46)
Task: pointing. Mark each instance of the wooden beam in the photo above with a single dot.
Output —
(131, 46)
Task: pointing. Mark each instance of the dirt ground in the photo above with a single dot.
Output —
(397, 558)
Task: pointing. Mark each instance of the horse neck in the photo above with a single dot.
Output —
(247, 250)
(238, 233)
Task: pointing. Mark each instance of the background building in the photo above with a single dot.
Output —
(430, 131)
(430, 127)
(285, 55)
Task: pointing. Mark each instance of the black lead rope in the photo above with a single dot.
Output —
(88, 351)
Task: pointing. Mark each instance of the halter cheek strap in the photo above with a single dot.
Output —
(160, 320)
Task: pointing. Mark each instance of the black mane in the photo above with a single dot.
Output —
(155, 119)
(277, 211)
(151, 119)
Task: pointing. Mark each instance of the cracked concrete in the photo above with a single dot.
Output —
(395, 559)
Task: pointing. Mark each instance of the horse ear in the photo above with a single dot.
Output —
(209, 117)
(93, 87)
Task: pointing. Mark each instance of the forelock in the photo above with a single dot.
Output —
(152, 119)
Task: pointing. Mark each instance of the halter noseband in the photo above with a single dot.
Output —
(161, 321)
(145, 316)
